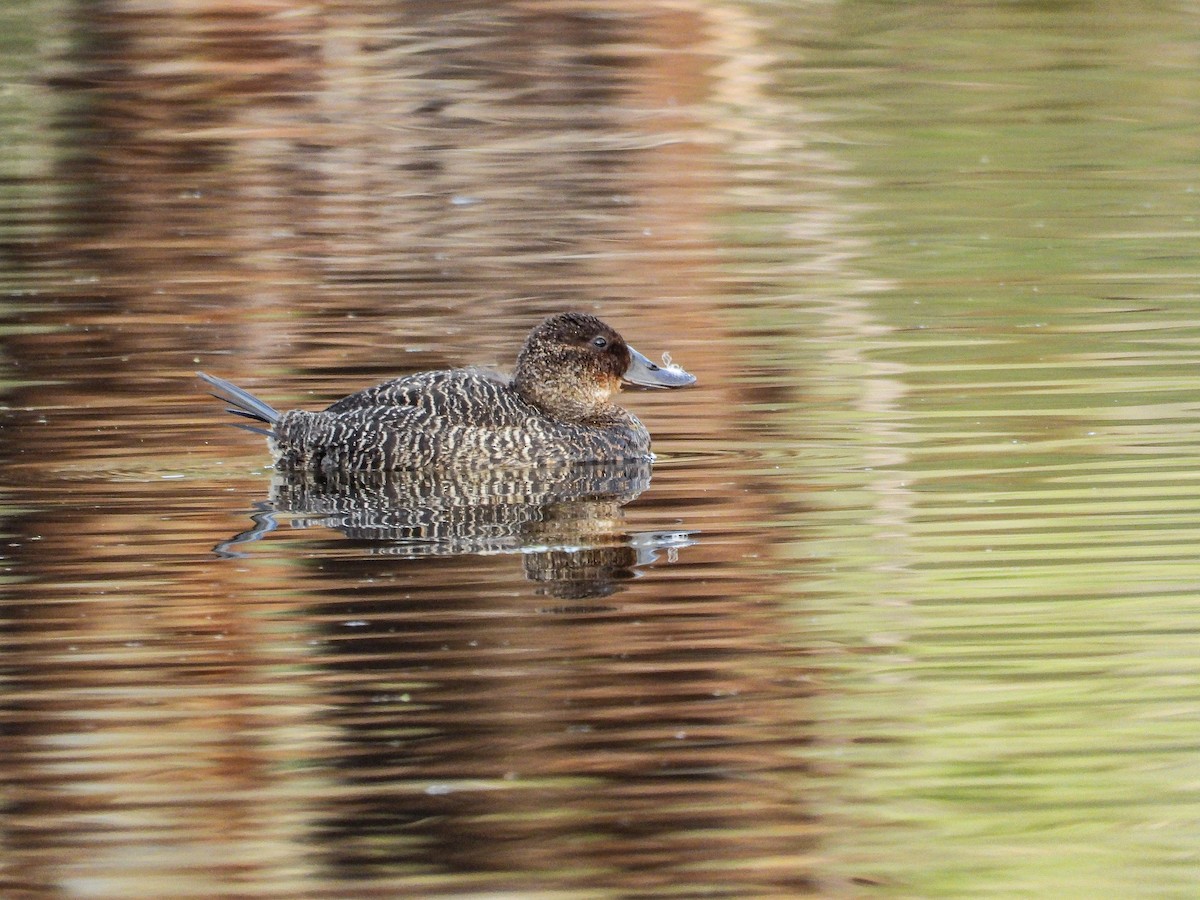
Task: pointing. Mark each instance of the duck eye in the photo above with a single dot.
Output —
(600, 342)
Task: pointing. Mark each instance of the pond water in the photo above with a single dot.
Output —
(909, 605)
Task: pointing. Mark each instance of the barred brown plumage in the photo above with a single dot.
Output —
(557, 407)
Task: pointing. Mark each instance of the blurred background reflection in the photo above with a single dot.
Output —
(905, 606)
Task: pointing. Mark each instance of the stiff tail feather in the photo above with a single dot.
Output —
(243, 403)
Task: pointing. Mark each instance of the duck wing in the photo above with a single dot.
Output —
(463, 395)
(467, 397)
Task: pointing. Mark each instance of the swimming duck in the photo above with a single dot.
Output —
(557, 407)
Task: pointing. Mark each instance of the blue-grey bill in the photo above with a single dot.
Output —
(647, 374)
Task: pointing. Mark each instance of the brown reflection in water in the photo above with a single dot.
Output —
(309, 189)
(632, 745)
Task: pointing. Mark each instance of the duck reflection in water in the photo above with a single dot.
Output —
(566, 521)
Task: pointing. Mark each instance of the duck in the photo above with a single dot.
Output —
(557, 407)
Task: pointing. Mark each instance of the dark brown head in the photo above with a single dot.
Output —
(572, 366)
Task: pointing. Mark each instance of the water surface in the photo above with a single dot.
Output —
(906, 606)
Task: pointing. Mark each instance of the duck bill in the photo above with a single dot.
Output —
(644, 373)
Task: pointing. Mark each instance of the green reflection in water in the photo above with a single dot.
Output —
(1020, 717)
(27, 110)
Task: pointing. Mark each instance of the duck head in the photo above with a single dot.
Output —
(573, 364)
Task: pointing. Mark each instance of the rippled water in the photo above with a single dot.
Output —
(908, 605)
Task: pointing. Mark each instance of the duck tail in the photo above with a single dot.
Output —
(243, 403)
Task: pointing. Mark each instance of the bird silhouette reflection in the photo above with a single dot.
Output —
(567, 522)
